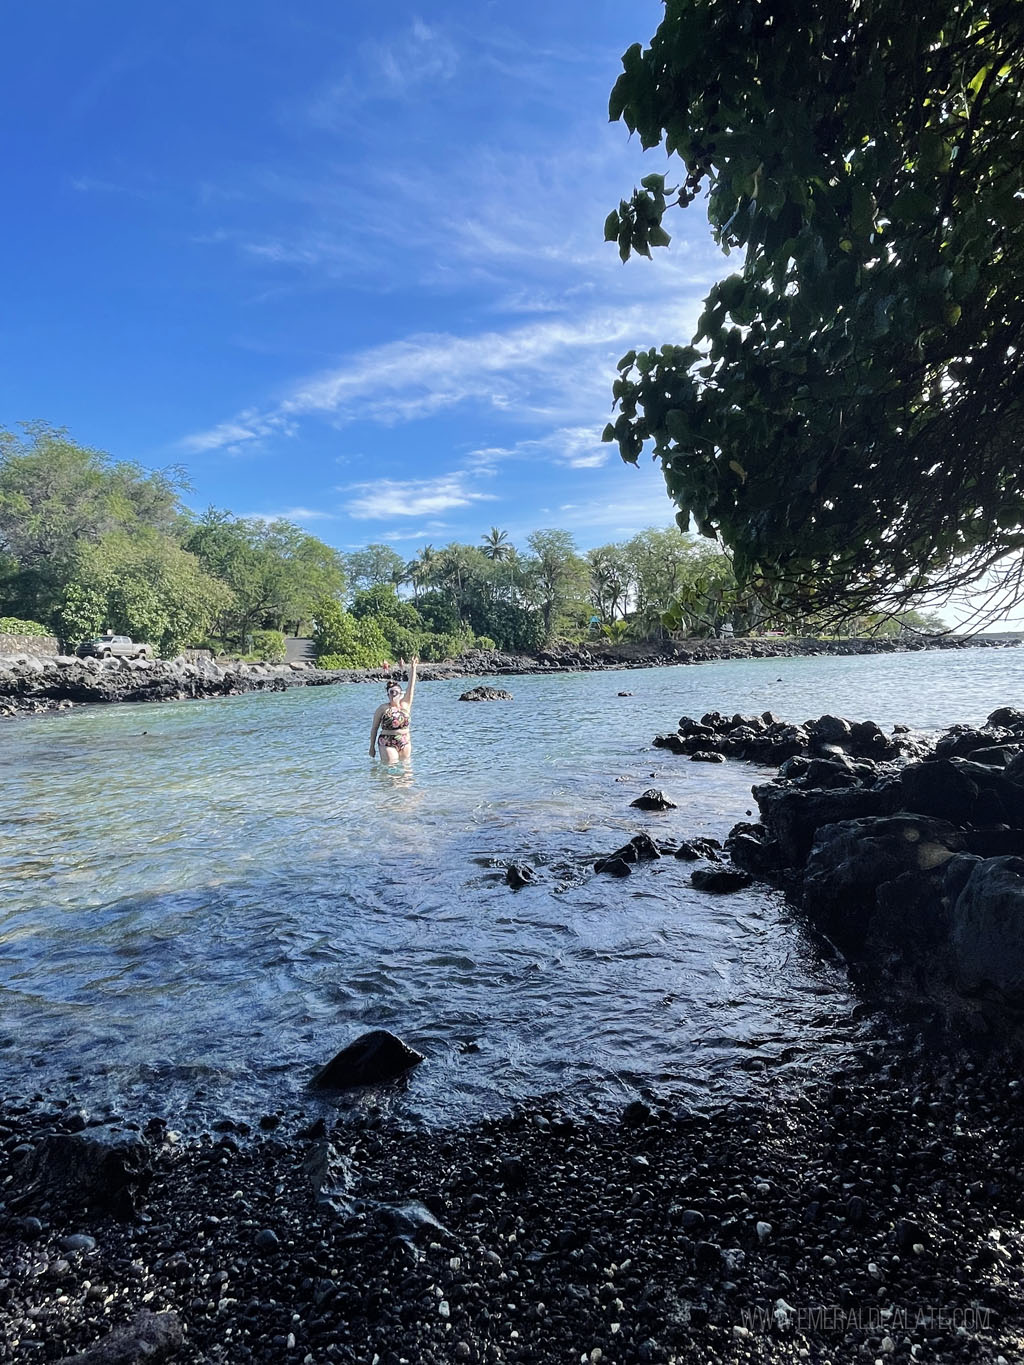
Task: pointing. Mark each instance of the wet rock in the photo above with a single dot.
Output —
(750, 849)
(331, 1177)
(653, 799)
(149, 1337)
(720, 880)
(690, 850)
(613, 866)
(706, 756)
(1006, 717)
(640, 849)
(519, 874)
(486, 694)
(939, 788)
(374, 1059)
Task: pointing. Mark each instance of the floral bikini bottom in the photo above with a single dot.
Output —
(396, 739)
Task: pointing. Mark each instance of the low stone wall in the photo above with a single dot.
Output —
(36, 646)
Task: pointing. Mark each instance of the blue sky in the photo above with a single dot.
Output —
(342, 262)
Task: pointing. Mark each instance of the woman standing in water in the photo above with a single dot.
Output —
(391, 719)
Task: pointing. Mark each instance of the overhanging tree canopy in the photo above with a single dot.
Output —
(849, 417)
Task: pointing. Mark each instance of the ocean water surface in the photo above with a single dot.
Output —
(200, 902)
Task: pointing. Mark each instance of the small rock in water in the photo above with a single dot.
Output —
(519, 874)
(719, 879)
(653, 799)
(373, 1059)
(706, 756)
(615, 867)
(486, 694)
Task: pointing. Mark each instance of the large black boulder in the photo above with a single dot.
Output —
(987, 936)
(373, 1059)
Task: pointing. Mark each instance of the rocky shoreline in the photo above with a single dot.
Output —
(875, 1214)
(31, 685)
(906, 851)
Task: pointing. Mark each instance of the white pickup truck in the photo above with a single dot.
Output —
(113, 647)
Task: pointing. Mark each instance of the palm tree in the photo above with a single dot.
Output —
(495, 544)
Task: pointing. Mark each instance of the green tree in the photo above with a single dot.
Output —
(277, 573)
(56, 497)
(342, 641)
(558, 581)
(849, 416)
(375, 565)
(141, 584)
(496, 544)
(611, 578)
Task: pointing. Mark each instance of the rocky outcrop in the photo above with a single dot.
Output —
(914, 867)
(766, 739)
(486, 694)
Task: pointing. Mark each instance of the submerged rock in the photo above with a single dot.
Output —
(486, 694)
(373, 1059)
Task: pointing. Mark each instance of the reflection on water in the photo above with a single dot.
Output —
(211, 898)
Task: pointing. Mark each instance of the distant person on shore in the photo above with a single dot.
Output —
(389, 734)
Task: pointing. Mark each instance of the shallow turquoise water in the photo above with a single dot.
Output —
(202, 901)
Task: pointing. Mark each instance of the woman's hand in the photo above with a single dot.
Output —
(373, 752)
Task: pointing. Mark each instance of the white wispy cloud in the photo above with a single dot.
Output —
(551, 371)
(420, 55)
(247, 427)
(387, 498)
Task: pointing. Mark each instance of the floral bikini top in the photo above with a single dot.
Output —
(394, 718)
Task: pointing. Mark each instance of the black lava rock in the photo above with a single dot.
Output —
(373, 1059)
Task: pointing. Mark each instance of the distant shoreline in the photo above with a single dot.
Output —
(38, 685)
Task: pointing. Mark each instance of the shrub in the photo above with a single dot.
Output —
(485, 642)
(404, 642)
(268, 645)
(435, 648)
(10, 625)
